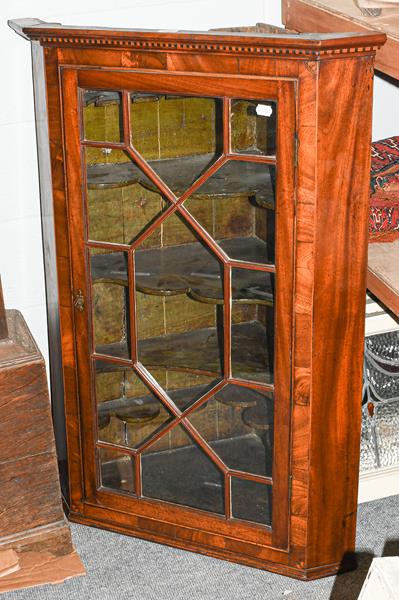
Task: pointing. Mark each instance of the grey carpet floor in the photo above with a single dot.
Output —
(125, 568)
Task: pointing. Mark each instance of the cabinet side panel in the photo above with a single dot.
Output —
(64, 273)
(49, 252)
(343, 172)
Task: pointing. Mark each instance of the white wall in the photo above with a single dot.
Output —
(386, 109)
(21, 265)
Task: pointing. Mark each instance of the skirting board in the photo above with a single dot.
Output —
(378, 484)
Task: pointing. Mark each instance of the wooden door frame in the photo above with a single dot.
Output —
(284, 91)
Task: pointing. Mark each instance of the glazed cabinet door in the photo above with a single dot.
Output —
(181, 208)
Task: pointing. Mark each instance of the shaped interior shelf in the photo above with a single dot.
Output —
(236, 178)
(142, 408)
(170, 271)
(198, 351)
(102, 97)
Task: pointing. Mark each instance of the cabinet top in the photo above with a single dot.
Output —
(234, 41)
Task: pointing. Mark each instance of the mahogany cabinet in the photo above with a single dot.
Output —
(209, 197)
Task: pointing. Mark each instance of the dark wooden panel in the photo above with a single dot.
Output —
(24, 423)
(29, 493)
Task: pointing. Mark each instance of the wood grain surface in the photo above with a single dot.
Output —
(30, 495)
(344, 16)
(320, 266)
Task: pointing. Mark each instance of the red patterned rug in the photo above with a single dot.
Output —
(384, 199)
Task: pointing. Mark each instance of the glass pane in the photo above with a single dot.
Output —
(179, 136)
(182, 387)
(253, 127)
(119, 204)
(384, 348)
(128, 412)
(110, 302)
(102, 116)
(116, 470)
(238, 425)
(387, 427)
(236, 206)
(252, 330)
(177, 470)
(368, 442)
(380, 440)
(179, 303)
(251, 501)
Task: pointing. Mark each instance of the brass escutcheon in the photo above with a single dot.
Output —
(79, 300)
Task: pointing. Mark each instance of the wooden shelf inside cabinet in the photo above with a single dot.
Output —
(236, 178)
(145, 407)
(197, 351)
(190, 269)
(142, 408)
